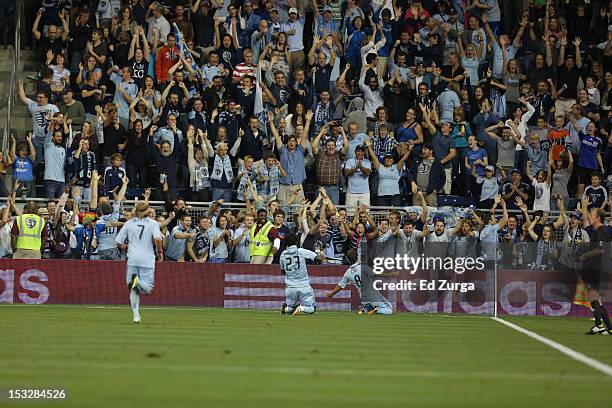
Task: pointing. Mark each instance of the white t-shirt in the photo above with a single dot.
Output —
(541, 200)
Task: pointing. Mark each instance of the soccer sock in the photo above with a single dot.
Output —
(308, 309)
(135, 302)
(603, 313)
(596, 312)
(384, 310)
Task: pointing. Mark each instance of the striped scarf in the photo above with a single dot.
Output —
(270, 187)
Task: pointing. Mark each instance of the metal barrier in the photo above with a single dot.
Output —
(14, 66)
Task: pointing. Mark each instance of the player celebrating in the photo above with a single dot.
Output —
(593, 263)
(372, 302)
(299, 293)
(139, 236)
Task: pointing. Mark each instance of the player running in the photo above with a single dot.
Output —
(140, 235)
(372, 302)
(299, 293)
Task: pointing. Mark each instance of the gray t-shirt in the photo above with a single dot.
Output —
(221, 250)
(40, 115)
(559, 182)
(55, 157)
(177, 246)
(423, 172)
(384, 245)
(488, 242)
(241, 250)
(505, 152)
(490, 187)
(408, 244)
(442, 145)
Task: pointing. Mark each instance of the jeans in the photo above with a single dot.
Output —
(520, 160)
(222, 193)
(138, 176)
(111, 254)
(53, 189)
(333, 193)
(388, 201)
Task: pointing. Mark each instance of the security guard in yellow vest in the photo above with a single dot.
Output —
(28, 235)
(264, 240)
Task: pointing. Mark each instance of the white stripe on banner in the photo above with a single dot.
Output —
(273, 304)
(275, 292)
(328, 280)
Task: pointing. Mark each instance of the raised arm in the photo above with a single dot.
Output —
(22, 94)
(375, 161)
(278, 142)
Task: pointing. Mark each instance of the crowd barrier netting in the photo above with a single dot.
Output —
(519, 292)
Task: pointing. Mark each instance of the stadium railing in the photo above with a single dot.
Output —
(13, 80)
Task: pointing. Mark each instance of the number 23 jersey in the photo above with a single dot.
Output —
(293, 263)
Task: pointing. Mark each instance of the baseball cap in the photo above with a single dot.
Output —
(576, 214)
(490, 168)
(360, 147)
(388, 156)
(43, 211)
(437, 218)
(452, 11)
(428, 146)
(327, 8)
(85, 8)
(517, 171)
(293, 10)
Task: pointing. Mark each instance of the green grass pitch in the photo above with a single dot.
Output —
(238, 358)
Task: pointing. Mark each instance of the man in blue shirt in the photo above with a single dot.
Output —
(292, 159)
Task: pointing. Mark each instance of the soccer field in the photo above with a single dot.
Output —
(219, 357)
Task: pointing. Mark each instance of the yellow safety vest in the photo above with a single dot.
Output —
(260, 243)
(30, 230)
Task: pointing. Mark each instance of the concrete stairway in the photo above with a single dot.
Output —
(21, 121)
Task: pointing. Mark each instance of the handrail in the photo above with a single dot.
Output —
(14, 66)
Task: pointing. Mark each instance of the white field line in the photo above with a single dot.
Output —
(199, 308)
(323, 371)
(571, 353)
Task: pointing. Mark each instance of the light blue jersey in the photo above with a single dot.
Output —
(107, 234)
(140, 234)
(293, 264)
(368, 294)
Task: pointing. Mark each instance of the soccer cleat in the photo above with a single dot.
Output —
(606, 333)
(137, 320)
(284, 309)
(297, 311)
(597, 330)
(362, 310)
(133, 284)
(373, 311)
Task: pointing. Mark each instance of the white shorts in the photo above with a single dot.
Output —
(146, 275)
(304, 296)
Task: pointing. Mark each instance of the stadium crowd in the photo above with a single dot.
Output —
(499, 106)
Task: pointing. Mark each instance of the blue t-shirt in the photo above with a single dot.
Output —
(473, 155)
(23, 169)
(589, 146)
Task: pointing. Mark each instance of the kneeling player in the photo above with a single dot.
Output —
(140, 235)
(299, 293)
(372, 301)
